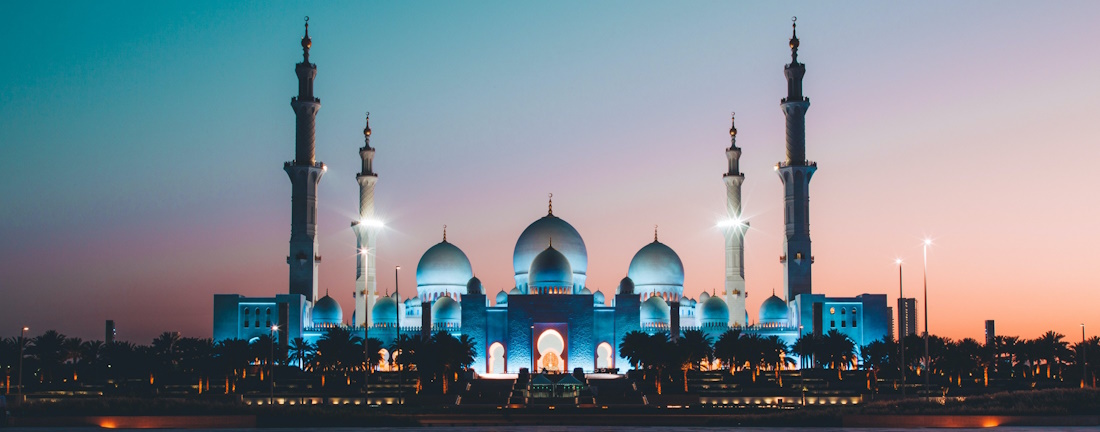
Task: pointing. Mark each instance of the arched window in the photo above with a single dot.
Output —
(496, 359)
(604, 356)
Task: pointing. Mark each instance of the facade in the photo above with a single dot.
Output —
(907, 317)
(550, 320)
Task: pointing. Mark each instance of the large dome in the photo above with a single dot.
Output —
(774, 310)
(657, 268)
(715, 312)
(444, 268)
(446, 311)
(326, 311)
(655, 311)
(551, 269)
(534, 239)
(385, 311)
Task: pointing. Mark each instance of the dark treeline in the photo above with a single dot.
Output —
(172, 363)
(176, 364)
(1048, 360)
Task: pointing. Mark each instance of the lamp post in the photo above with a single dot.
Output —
(22, 337)
(397, 314)
(927, 358)
(1084, 358)
(271, 372)
(901, 327)
(802, 366)
(366, 335)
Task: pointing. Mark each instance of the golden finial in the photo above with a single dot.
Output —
(794, 33)
(444, 233)
(733, 128)
(551, 211)
(366, 130)
(655, 233)
(551, 240)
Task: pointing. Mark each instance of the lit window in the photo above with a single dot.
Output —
(832, 311)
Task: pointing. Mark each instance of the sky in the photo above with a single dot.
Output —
(143, 146)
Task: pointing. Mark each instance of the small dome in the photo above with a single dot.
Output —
(385, 311)
(585, 291)
(446, 311)
(443, 266)
(326, 311)
(656, 266)
(704, 297)
(474, 286)
(515, 291)
(715, 312)
(687, 303)
(655, 311)
(626, 286)
(774, 310)
(534, 238)
(502, 298)
(550, 269)
(598, 298)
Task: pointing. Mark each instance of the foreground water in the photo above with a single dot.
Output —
(589, 429)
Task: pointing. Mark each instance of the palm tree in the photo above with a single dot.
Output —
(837, 351)
(71, 348)
(232, 357)
(727, 349)
(633, 347)
(695, 348)
(1052, 351)
(775, 352)
(808, 347)
(879, 356)
(48, 350)
(91, 355)
(339, 350)
(301, 351)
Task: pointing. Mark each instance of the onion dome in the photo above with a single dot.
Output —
(585, 291)
(474, 286)
(626, 286)
(598, 298)
(704, 297)
(655, 311)
(502, 298)
(551, 269)
(687, 303)
(327, 312)
(515, 291)
(533, 241)
(774, 310)
(385, 311)
(715, 313)
(443, 269)
(657, 269)
(446, 312)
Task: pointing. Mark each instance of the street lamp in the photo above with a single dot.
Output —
(271, 372)
(397, 314)
(22, 336)
(927, 358)
(802, 367)
(901, 327)
(1084, 358)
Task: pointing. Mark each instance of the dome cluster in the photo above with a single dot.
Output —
(534, 240)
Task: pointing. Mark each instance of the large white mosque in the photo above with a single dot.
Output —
(550, 319)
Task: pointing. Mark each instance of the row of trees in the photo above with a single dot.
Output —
(52, 360)
(1048, 357)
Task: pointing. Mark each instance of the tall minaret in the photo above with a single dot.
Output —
(796, 172)
(305, 173)
(735, 228)
(366, 230)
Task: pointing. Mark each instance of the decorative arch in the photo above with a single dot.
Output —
(605, 356)
(498, 362)
(551, 348)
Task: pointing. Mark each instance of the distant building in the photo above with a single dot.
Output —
(550, 319)
(990, 333)
(907, 317)
(109, 331)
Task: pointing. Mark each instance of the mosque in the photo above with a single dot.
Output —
(549, 320)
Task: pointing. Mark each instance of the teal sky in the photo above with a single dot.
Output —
(143, 145)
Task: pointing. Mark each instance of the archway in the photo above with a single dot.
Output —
(603, 356)
(384, 363)
(550, 347)
(496, 358)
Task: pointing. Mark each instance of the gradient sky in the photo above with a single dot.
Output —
(143, 145)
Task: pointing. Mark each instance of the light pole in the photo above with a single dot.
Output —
(397, 314)
(802, 366)
(1084, 358)
(366, 333)
(22, 338)
(901, 328)
(271, 372)
(927, 358)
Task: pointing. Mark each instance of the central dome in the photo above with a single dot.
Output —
(773, 311)
(657, 269)
(443, 269)
(551, 269)
(534, 239)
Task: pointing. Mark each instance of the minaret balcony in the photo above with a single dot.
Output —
(788, 164)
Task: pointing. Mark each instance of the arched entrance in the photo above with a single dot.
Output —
(384, 363)
(496, 358)
(550, 347)
(604, 354)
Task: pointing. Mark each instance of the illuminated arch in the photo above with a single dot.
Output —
(550, 346)
(605, 356)
(496, 362)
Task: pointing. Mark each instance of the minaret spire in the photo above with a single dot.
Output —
(655, 233)
(305, 174)
(735, 228)
(796, 172)
(550, 211)
(366, 233)
(444, 233)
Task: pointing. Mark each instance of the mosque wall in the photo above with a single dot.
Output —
(473, 325)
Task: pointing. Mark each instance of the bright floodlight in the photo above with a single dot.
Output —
(28, 328)
(374, 223)
(731, 223)
(274, 328)
(897, 261)
(928, 242)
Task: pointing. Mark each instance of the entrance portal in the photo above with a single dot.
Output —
(550, 347)
(496, 358)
